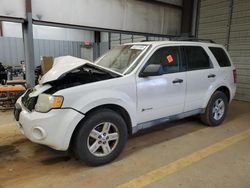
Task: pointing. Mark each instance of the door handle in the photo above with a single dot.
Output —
(211, 76)
(177, 80)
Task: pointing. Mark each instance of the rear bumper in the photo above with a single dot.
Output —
(53, 129)
(232, 92)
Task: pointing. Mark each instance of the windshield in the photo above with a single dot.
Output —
(120, 58)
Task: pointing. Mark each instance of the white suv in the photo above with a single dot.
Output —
(93, 107)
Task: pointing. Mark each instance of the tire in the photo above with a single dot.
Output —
(100, 138)
(214, 114)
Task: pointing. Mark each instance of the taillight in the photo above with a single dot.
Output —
(235, 75)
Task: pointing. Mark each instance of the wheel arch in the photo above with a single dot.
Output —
(116, 108)
(223, 88)
(207, 117)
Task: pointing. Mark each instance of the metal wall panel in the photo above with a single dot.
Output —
(220, 21)
(239, 46)
(138, 38)
(104, 47)
(214, 18)
(12, 51)
(115, 40)
(12, 8)
(55, 48)
(126, 38)
(126, 15)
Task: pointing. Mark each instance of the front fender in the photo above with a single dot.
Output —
(103, 97)
(94, 99)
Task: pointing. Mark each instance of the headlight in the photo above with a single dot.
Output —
(47, 102)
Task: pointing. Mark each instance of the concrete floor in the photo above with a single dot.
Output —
(25, 164)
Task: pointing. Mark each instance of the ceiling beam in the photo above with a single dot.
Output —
(170, 5)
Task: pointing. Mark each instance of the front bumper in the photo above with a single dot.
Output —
(53, 128)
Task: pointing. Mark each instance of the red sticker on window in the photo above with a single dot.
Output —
(170, 59)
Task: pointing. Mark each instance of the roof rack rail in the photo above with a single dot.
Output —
(183, 39)
(190, 39)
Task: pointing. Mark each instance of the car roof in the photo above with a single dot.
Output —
(159, 43)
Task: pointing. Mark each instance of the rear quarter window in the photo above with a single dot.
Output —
(221, 56)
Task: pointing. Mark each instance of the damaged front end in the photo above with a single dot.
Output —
(67, 72)
(70, 72)
(79, 76)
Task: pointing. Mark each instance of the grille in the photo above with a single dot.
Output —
(29, 102)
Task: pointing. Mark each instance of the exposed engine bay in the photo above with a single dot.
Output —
(79, 76)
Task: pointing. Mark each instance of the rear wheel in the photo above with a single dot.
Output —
(216, 109)
(101, 137)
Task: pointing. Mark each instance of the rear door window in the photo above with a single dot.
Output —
(221, 56)
(196, 58)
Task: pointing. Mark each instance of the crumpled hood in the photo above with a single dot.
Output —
(61, 66)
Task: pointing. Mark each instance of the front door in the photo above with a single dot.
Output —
(162, 95)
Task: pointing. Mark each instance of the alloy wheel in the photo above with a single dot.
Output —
(218, 109)
(103, 139)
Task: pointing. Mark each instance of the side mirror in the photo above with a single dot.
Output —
(151, 70)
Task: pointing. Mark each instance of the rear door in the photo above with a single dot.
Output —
(200, 76)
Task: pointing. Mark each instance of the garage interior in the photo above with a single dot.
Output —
(184, 153)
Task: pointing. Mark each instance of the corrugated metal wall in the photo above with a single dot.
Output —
(117, 39)
(214, 19)
(55, 48)
(12, 52)
(239, 46)
(228, 23)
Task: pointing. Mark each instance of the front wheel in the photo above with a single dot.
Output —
(101, 137)
(216, 109)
